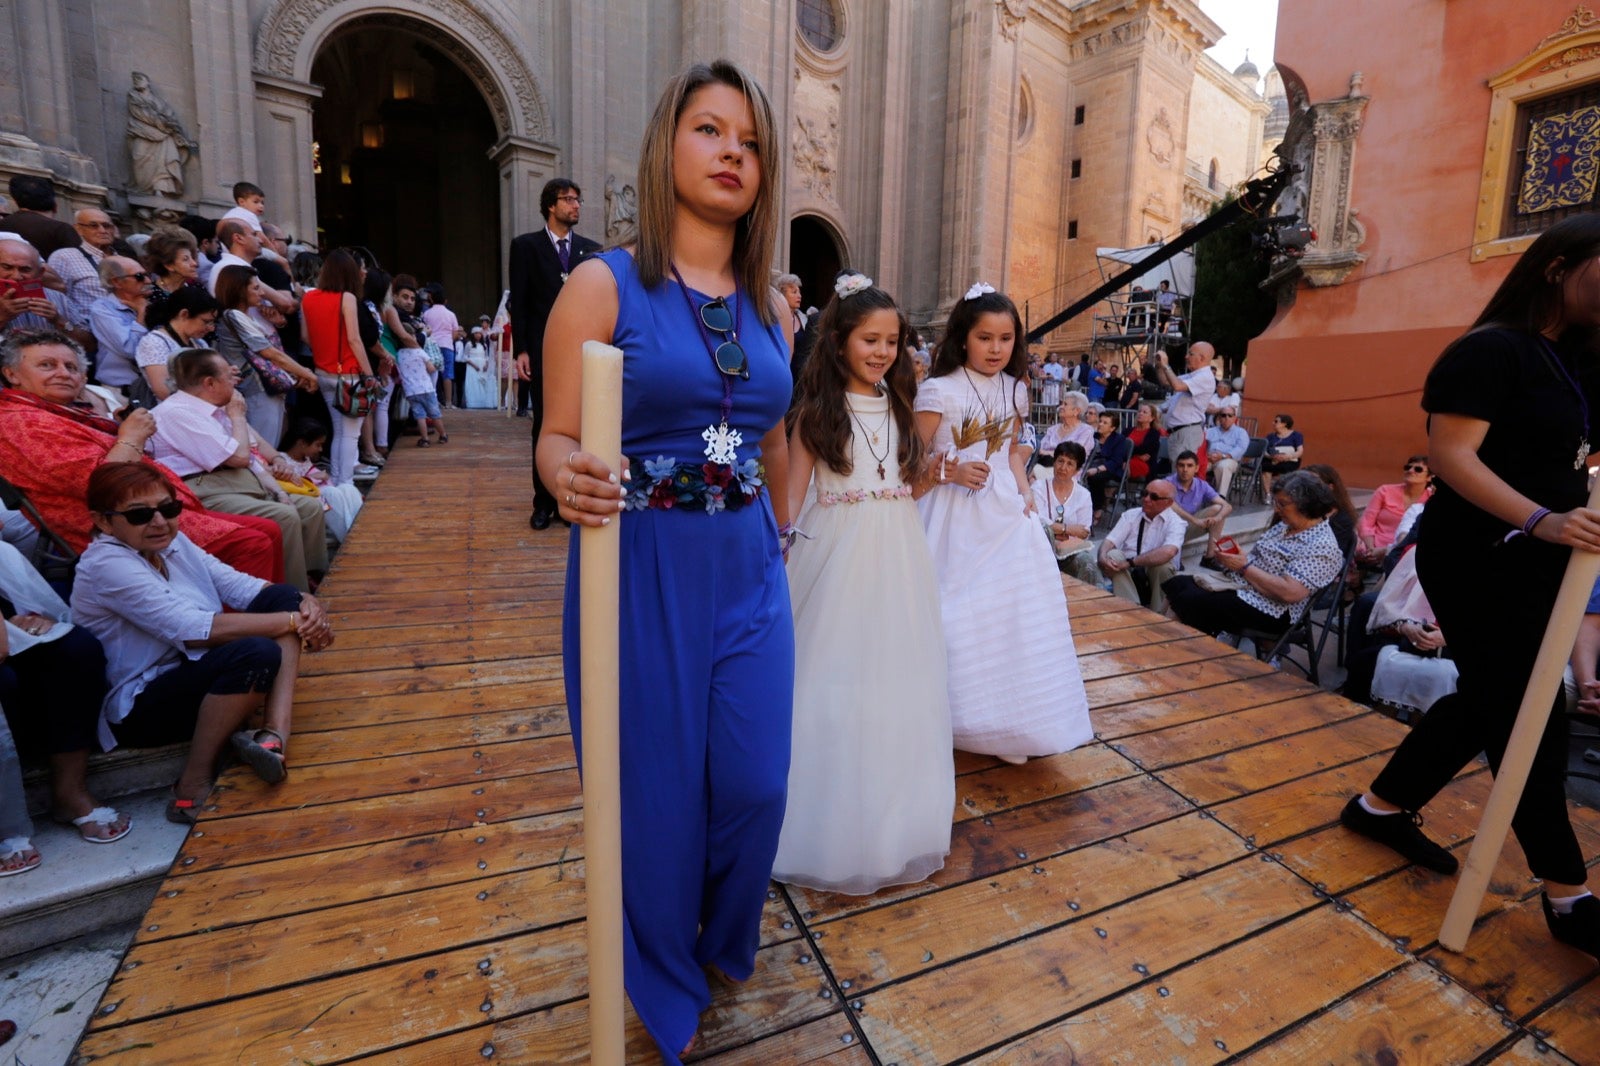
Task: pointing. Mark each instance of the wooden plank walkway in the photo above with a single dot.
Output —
(1177, 891)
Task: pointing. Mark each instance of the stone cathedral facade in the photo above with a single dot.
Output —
(929, 143)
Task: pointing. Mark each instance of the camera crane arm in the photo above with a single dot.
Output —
(1254, 201)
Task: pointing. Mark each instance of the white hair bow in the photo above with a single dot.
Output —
(982, 288)
(850, 284)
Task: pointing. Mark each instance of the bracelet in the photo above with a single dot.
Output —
(293, 625)
(1247, 565)
(1534, 519)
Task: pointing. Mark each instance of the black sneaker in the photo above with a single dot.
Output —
(1580, 928)
(1400, 832)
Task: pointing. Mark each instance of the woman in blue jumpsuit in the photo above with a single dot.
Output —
(707, 670)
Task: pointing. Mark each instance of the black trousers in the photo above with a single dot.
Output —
(1494, 636)
(168, 708)
(1217, 612)
(530, 397)
(52, 693)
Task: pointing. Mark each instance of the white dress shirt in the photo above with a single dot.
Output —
(1189, 408)
(193, 436)
(1165, 529)
(227, 259)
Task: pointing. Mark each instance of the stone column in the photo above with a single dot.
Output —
(760, 38)
(38, 131)
(525, 165)
(896, 156)
(283, 136)
(980, 113)
(221, 41)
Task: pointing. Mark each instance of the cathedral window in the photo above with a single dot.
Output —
(819, 23)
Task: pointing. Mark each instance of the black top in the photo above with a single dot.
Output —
(1344, 530)
(1511, 380)
(369, 326)
(274, 276)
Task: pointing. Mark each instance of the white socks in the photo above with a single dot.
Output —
(1370, 809)
(1563, 904)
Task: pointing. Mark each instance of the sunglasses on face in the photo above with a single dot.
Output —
(1154, 496)
(1416, 468)
(141, 516)
(718, 318)
(140, 276)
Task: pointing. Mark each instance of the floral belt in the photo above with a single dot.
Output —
(829, 499)
(664, 484)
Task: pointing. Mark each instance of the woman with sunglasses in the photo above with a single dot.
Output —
(178, 667)
(1388, 505)
(1512, 467)
(708, 676)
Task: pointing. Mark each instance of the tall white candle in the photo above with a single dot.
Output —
(599, 591)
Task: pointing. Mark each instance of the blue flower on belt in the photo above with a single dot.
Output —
(750, 479)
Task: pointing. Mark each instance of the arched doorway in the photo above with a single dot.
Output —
(816, 255)
(403, 139)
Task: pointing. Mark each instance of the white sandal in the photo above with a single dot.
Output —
(10, 848)
(100, 816)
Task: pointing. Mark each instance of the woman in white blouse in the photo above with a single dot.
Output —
(178, 667)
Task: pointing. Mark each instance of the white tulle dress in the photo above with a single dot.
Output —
(871, 775)
(1015, 687)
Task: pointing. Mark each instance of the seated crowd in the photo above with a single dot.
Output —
(186, 429)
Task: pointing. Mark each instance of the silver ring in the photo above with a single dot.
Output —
(572, 481)
(571, 500)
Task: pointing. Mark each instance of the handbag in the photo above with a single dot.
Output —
(275, 380)
(355, 395)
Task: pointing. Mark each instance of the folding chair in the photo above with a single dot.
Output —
(53, 557)
(1302, 634)
(1115, 504)
(1247, 479)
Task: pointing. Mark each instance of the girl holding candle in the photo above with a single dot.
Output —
(707, 675)
(999, 588)
(871, 715)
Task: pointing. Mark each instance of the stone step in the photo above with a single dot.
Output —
(51, 993)
(82, 887)
(112, 775)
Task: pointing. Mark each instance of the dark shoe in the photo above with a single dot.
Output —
(1399, 832)
(262, 751)
(1580, 929)
(540, 520)
(185, 811)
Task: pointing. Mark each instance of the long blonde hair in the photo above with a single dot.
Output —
(756, 234)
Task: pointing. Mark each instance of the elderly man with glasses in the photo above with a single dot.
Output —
(117, 320)
(1144, 548)
(24, 301)
(79, 266)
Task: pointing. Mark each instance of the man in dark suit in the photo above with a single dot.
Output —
(540, 263)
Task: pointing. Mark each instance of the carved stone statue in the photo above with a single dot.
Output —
(622, 208)
(157, 141)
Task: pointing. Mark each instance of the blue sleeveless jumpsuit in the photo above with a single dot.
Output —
(707, 670)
